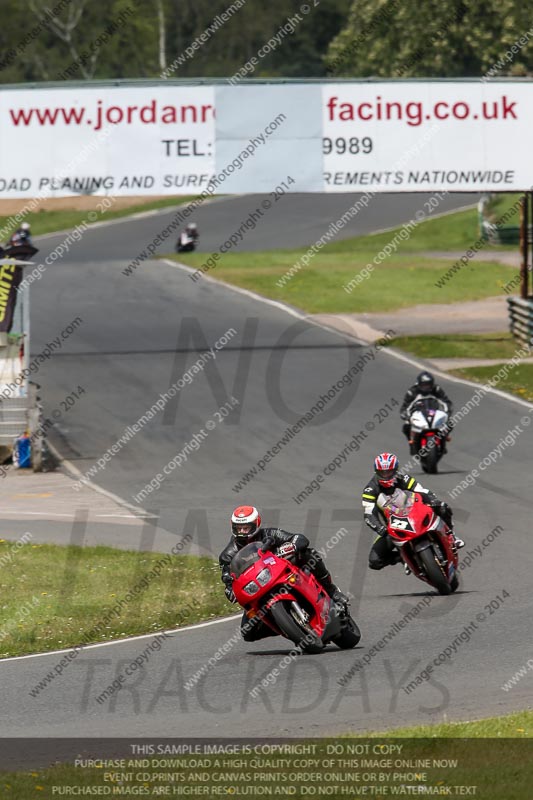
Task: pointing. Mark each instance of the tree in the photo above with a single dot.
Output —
(406, 38)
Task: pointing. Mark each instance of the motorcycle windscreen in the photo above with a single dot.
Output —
(245, 558)
(432, 409)
(399, 503)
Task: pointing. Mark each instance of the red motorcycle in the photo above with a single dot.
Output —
(289, 600)
(423, 540)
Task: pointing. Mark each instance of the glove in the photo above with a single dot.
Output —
(445, 509)
(286, 550)
(230, 594)
(268, 543)
(382, 530)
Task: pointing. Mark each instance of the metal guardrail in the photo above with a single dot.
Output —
(521, 319)
(503, 234)
(13, 418)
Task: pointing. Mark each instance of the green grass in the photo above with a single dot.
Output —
(500, 204)
(403, 279)
(451, 232)
(50, 221)
(511, 726)
(50, 596)
(399, 282)
(519, 381)
(458, 345)
(494, 755)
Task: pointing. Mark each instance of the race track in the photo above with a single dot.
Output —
(142, 332)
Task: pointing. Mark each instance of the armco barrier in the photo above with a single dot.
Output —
(521, 319)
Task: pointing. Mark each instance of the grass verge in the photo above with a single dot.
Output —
(49, 221)
(501, 203)
(511, 726)
(518, 381)
(458, 345)
(54, 597)
(405, 278)
(492, 757)
(399, 282)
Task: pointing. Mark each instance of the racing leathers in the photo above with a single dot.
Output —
(411, 396)
(19, 237)
(304, 556)
(383, 552)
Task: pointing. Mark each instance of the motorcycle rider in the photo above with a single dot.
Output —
(192, 231)
(425, 386)
(387, 477)
(246, 528)
(187, 239)
(21, 236)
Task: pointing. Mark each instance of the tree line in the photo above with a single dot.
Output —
(95, 40)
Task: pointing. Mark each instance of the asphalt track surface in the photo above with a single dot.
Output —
(140, 333)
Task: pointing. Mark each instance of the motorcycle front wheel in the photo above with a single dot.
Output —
(287, 621)
(433, 571)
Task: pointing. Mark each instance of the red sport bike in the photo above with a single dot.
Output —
(423, 540)
(289, 600)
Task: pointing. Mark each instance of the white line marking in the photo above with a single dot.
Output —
(122, 641)
(139, 513)
(300, 315)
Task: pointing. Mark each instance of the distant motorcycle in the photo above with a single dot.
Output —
(289, 600)
(423, 540)
(188, 239)
(22, 252)
(428, 418)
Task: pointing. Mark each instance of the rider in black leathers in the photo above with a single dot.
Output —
(246, 528)
(384, 481)
(425, 386)
(21, 236)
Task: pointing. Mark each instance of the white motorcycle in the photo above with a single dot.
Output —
(428, 418)
(185, 243)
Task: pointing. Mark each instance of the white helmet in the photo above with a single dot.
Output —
(245, 522)
(25, 226)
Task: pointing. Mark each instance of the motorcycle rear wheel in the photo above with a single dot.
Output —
(434, 573)
(304, 638)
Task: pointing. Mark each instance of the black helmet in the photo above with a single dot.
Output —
(425, 383)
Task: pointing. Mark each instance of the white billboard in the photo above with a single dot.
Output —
(414, 136)
(386, 136)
